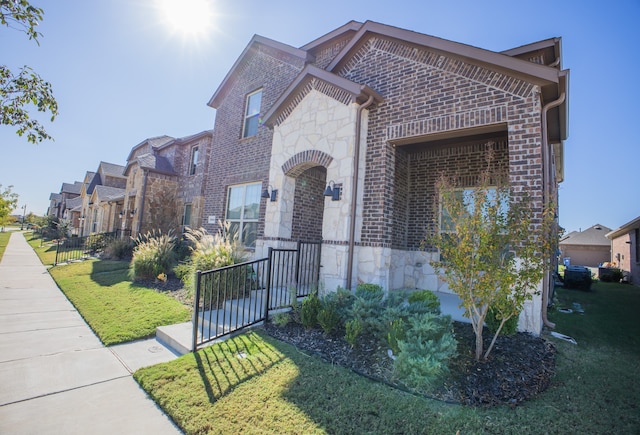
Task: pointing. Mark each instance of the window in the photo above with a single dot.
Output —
(186, 217)
(252, 114)
(467, 196)
(636, 243)
(194, 160)
(243, 206)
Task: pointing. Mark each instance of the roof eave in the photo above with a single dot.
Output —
(357, 90)
(535, 73)
(219, 94)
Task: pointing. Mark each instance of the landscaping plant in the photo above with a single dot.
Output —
(153, 255)
(211, 251)
(492, 246)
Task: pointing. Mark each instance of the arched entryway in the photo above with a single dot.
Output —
(308, 204)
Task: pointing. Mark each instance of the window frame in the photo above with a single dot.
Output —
(242, 221)
(248, 117)
(186, 223)
(193, 160)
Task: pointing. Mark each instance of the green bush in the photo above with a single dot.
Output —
(342, 299)
(510, 327)
(328, 318)
(281, 319)
(370, 291)
(309, 312)
(353, 328)
(426, 299)
(118, 249)
(152, 256)
(211, 252)
(425, 352)
(611, 275)
(395, 335)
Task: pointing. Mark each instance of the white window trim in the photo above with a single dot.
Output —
(242, 220)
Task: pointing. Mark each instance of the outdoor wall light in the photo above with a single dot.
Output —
(121, 214)
(132, 212)
(273, 194)
(333, 190)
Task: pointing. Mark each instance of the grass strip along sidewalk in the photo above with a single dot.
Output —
(115, 308)
(255, 384)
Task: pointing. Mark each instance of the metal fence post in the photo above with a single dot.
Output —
(268, 295)
(55, 263)
(196, 303)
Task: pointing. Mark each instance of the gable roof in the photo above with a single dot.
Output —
(111, 169)
(348, 29)
(74, 202)
(536, 73)
(107, 193)
(229, 79)
(153, 142)
(592, 236)
(71, 188)
(152, 162)
(357, 92)
(624, 229)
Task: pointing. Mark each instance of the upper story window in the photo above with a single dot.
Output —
(252, 114)
(186, 217)
(194, 161)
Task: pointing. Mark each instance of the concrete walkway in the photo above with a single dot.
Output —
(55, 375)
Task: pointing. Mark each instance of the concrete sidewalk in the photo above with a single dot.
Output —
(55, 375)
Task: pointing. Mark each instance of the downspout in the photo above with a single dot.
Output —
(354, 195)
(144, 195)
(546, 192)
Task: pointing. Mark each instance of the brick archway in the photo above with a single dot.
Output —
(304, 160)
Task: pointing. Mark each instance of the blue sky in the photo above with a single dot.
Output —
(121, 74)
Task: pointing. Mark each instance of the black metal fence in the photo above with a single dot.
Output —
(238, 296)
(79, 248)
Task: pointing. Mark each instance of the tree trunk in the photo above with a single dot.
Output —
(479, 342)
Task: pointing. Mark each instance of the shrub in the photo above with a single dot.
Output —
(425, 298)
(493, 319)
(611, 275)
(118, 249)
(395, 335)
(281, 319)
(342, 299)
(211, 251)
(328, 318)
(310, 308)
(425, 352)
(152, 256)
(353, 328)
(370, 291)
(368, 312)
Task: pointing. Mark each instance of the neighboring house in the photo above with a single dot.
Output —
(58, 201)
(102, 196)
(165, 183)
(371, 115)
(586, 248)
(625, 249)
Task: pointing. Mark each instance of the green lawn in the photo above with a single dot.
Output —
(4, 240)
(255, 384)
(46, 250)
(115, 308)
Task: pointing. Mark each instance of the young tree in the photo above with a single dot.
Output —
(25, 88)
(8, 202)
(492, 250)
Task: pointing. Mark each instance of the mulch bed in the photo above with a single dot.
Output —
(519, 367)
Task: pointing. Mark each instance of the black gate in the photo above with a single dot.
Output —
(238, 296)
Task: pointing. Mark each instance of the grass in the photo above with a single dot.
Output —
(4, 240)
(254, 384)
(115, 308)
(45, 250)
